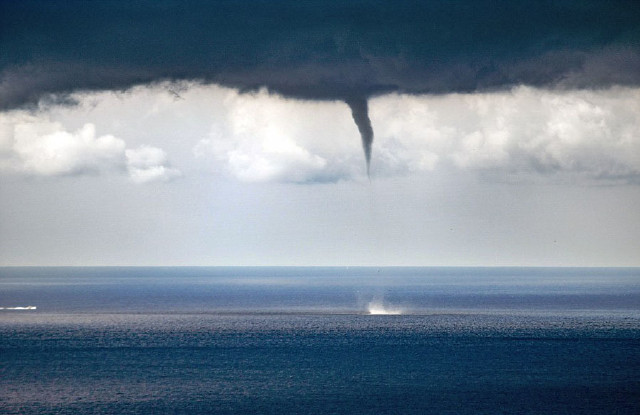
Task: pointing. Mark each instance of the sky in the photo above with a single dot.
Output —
(457, 133)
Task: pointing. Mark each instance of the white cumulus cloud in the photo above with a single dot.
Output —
(41, 147)
(35, 145)
(595, 134)
(147, 164)
(262, 137)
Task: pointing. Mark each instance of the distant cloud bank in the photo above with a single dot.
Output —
(521, 134)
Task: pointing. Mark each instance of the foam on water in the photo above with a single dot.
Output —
(29, 307)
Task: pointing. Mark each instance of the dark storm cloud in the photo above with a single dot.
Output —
(316, 49)
(319, 50)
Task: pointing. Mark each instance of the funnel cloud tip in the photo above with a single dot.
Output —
(360, 113)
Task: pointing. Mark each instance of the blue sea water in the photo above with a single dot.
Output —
(305, 341)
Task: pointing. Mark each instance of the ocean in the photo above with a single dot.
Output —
(319, 340)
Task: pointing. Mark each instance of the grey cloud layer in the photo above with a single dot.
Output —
(316, 49)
